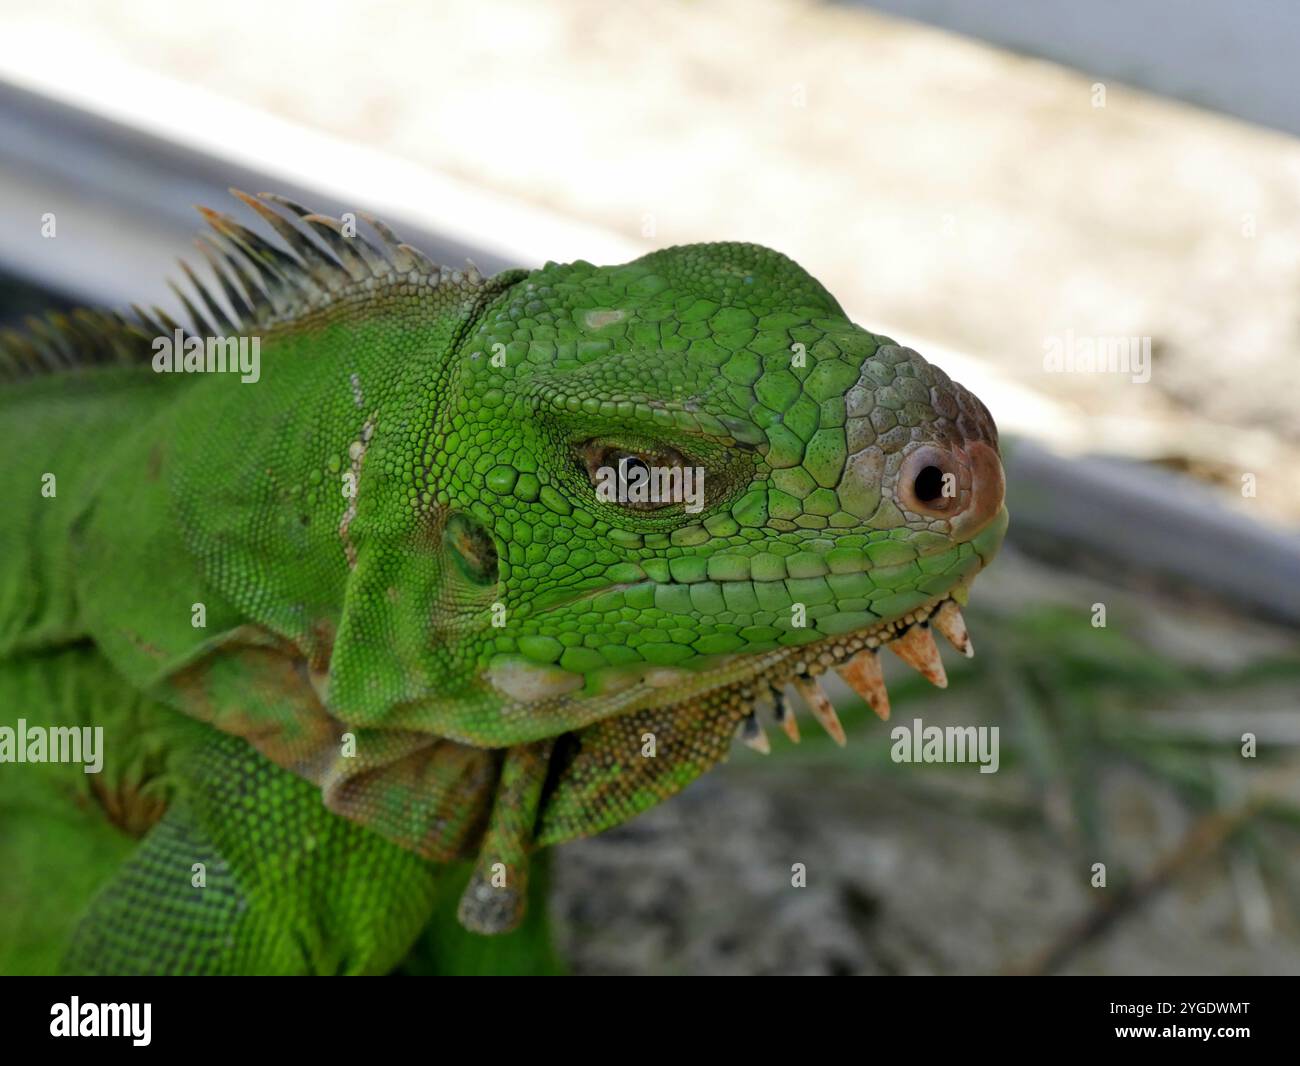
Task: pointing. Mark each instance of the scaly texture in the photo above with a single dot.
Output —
(385, 580)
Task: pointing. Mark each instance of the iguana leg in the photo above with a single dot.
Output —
(447, 948)
(495, 898)
(249, 873)
(290, 886)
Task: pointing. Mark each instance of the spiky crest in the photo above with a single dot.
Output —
(261, 285)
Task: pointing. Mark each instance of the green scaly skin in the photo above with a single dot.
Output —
(429, 648)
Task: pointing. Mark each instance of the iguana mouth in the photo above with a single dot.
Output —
(691, 722)
(856, 658)
(747, 684)
(743, 682)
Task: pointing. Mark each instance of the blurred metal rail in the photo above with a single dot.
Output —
(1141, 520)
(1236, 58)
(124, 200)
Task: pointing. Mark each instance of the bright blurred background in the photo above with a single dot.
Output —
(974, 180)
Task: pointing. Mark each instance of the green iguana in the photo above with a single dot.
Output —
(464, 567)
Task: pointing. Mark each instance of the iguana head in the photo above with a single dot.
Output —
(593, 521)
(684, 483)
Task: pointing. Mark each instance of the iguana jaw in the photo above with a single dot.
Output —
(744, 682)
(855, 657)
(747, 683)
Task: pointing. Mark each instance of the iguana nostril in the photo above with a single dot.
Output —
(987, 490)
(928, 485)
(932, 482)
(963, 484)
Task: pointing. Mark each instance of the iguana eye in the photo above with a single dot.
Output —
(640, 480)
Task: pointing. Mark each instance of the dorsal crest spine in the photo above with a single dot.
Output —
(258, 285)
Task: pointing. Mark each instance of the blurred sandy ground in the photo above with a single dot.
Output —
(938, 186)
